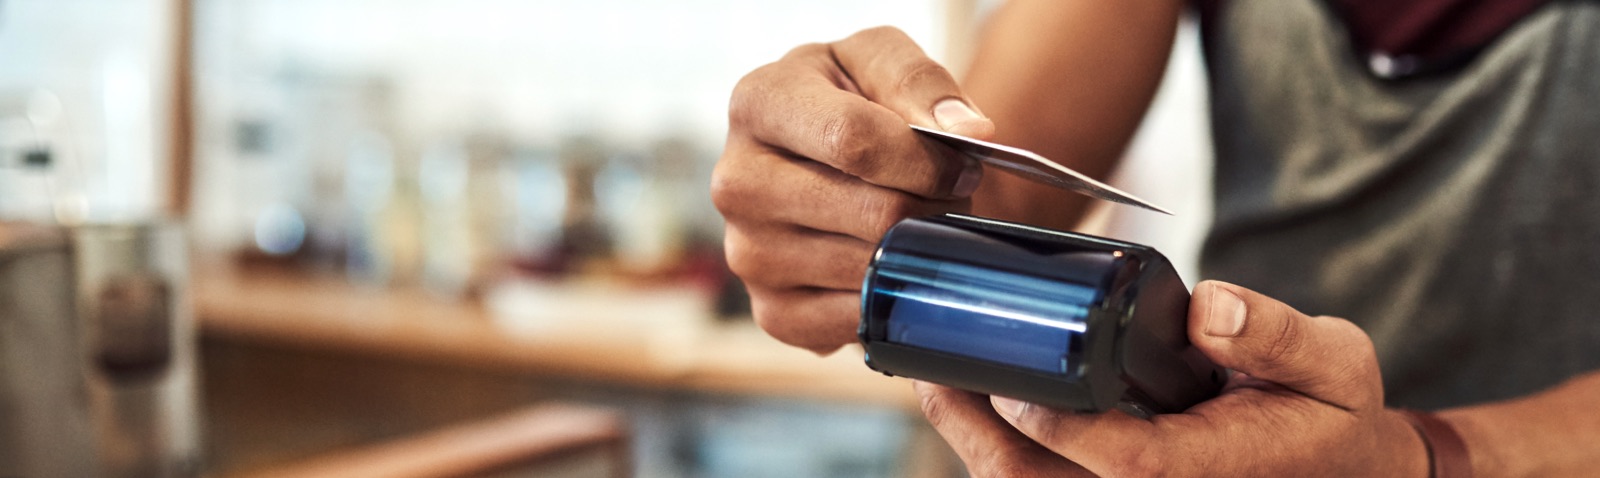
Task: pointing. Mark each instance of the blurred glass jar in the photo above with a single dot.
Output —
(646, 201)
(369, 189)
(536, 193)
(584, 237)
(446, 242)
(462, 211)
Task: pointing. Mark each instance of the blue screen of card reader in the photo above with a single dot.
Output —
(995, 315)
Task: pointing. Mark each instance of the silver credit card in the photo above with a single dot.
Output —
(1035, 167)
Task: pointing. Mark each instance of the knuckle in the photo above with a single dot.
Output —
(935, 406)
(921, 72)
(1356, 342)
(882, 211)
(748, 96)
(1353, 335)
(775, 316)
(847, 140)
(743, 258)
(1042, 425)
(1287, 340)
(1002, 464)
(1144, 462)
(769, 315)
(765, 261)
(728, 190)
(1138, 462)
(879, 33)
(807, 50)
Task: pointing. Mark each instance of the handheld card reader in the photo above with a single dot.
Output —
(1060, 319)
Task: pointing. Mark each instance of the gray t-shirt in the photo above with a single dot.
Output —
(1456, 218)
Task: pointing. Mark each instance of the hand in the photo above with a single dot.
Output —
(820, 163)
(1306, 400)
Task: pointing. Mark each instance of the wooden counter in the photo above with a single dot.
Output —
(642, 337)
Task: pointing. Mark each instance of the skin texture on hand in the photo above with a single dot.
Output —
(1306, 400)
(820, 163)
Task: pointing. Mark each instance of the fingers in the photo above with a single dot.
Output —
(893, 71)
(798, 107)
(1313, 380)
(1110, 443)
(1326, 358)
(822, 260)
(820, 163)
(818, 320)
(763, 186)
(986, 443)
(802, 260)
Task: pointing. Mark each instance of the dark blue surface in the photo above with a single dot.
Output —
(988, 314)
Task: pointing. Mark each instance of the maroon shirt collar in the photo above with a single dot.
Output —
(1407, 38)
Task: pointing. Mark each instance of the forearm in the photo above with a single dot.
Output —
(1071, 80)
(1553, 433)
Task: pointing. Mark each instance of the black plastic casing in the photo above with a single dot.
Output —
(1133, 353)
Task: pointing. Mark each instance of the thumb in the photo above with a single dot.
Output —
(893, 71)
(1326, 358)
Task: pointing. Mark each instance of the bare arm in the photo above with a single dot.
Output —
(1552, 433)
(1071, 80)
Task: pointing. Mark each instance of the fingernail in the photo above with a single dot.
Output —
(1008, 406)
(1227, 314)
(952, 112)
(971, 176)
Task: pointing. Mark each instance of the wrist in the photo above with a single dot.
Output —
(1486, 459)
(1408, 453)
(1446, 450)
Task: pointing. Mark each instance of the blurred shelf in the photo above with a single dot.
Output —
(605, 333)
(519, 443)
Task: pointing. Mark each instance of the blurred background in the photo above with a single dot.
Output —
(431, 237)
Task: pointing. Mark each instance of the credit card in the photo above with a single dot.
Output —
(1035, 167)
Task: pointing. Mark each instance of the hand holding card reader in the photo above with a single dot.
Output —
(1065, 320)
